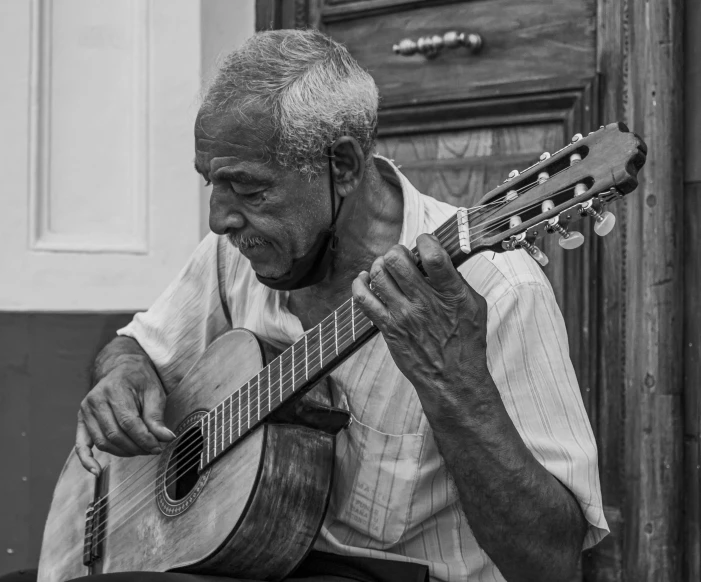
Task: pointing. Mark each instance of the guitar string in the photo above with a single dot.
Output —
(260, 403)
(439, 232)
(100, 528)
(446, 243)
(448, 225)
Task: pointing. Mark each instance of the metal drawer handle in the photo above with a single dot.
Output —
(431, 46)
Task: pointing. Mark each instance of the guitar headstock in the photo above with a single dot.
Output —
(574, 182)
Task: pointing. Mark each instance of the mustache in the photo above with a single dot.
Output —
(245, 242)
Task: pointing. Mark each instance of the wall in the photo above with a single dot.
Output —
(99, 207)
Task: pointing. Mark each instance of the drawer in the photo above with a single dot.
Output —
(529, 46)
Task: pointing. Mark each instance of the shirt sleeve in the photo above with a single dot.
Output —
(188, 315)
(528, 358)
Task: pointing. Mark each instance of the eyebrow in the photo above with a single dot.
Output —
(199, 169)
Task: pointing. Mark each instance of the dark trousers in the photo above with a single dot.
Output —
(318, 567)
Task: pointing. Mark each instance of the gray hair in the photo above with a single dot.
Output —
(313, 88)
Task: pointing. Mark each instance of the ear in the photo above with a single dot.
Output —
(347, 164)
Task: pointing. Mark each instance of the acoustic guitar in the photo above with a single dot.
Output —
(243, 489)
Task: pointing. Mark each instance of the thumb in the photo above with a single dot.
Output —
(438, 266)
(154, 405)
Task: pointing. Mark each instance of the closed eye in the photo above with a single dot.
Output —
(246, 189)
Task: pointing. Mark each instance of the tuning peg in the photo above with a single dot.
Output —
(544, 156)
(512, 175)
(576, 137)
(574, 158)
(543, 177)
(580, 189)
(605, 221)
(568, 239)
(571, 240)
(536, 253)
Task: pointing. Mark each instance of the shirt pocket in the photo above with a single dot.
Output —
(376, 474)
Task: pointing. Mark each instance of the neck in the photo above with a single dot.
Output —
(369, 225)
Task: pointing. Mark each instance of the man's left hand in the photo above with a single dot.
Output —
(435, 326)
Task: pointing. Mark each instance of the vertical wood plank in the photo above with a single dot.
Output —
(653, 425)
(604, 562)
(692, 285)
(692, 379)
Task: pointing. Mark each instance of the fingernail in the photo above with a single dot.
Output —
(95, 472)
(156, 450)
(171, 432)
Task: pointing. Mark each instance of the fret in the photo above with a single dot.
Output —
(353, 317)
(293, 367)
(209, 434)
(280, 364)
(239, 417)
(249, 405)
(214, 439)
(269, 387)
(222, 426)
(306, 358)
(321, 348)
(231, 418)
(335, 329)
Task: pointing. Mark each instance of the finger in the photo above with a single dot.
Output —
(83, 448)
(135, 429)
(384, 286)
(442, 275)
(371, 306)
(115, 440)
(99, 440)
(154, 405)
(128, 413)
(401, 265)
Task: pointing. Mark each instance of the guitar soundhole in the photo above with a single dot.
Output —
(179, 480)
(182, 473)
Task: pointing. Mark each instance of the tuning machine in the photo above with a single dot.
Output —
(568, 239)
(604, 220)
(519, 241)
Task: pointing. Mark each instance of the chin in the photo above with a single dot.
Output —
(265, 269)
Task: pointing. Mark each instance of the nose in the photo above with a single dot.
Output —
(223, 215)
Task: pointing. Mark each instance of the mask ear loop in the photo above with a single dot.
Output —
(334, 214)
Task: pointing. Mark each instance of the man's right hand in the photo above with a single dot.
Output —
(123, 414)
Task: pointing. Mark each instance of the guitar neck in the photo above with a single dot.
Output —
(304, 363)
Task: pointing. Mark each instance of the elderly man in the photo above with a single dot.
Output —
(469, 438)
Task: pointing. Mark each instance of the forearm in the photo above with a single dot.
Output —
(117, 351)
(523, 517)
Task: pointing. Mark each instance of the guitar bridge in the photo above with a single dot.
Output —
(96, 521)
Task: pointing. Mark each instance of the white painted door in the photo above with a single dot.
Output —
(99, 204)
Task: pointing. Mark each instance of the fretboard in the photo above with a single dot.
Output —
(299, 367)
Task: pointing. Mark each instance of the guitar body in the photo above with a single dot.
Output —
(253, 514)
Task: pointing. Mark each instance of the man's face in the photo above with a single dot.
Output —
(271, 214)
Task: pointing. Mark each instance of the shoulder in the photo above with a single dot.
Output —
(495, 275)
(492, 274)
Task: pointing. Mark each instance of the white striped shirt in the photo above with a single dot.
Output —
(393, 497)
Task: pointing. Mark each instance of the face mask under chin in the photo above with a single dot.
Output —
(312, 267)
